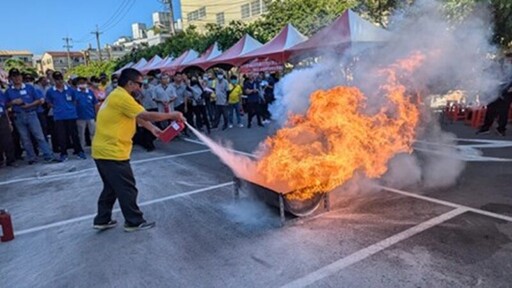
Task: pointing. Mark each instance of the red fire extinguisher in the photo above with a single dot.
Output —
(172, 131)
(6, 223)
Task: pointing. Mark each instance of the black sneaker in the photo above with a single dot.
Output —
(483, 132)
(142, 226)
(500, 132)
(102, 227)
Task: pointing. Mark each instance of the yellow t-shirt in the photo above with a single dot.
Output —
(236, 92)
(115, 126)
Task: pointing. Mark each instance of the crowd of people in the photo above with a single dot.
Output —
(48, 115)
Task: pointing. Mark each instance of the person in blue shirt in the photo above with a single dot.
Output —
(6, 144)
(62, 99)
(86, 104)
(25, 101)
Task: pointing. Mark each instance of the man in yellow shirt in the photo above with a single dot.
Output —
(235, 93)
(112, 146)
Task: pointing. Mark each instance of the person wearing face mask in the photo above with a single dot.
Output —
(103, 82)
(6, 141)
(86, 106)
(198, 96)
(111, 149)
(251, 89)
(164, 95)
(42, 86)
(235, 94)
(24, 100)
(221, 92)
(95, 87)
(62, 99)
(179, 102)
(112, 85)
(210, 103)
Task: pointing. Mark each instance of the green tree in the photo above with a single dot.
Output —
(93, 69)
(308, 16)
(20, 65)
(501, 13)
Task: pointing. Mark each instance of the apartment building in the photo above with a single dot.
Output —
(200, 12)
(58, 60)
(23, 55)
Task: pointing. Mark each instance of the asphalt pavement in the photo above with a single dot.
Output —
(457, 236)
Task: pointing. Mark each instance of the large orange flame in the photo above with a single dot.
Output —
(323, 149)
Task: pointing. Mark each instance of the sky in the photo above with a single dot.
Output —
(39, 26)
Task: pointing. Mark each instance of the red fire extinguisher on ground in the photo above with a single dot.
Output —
(6, 223)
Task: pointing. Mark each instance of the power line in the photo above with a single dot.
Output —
(120, 18)
(115, 14)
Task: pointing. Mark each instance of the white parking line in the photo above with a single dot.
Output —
(146, 203)
(74, 173)
(362, 254)
(446, 203)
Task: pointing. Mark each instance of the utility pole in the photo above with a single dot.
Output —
(97, 33)
(67, 46)
(171, 16)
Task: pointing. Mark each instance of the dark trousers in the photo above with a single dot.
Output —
(118, 183)
(498, 108)
(210, 109)
(51, 131)
(224, 111)
(201, 117)
(189, 115)
(253, 109)
(66, 129)
(16, 140)
(6, 144)
(144, 138)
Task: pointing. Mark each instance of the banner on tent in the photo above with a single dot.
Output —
(261, 65)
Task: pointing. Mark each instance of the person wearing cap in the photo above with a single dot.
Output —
(24, 101)
(6, 144)
(29, 79)
(112, 146)
(62, 99)
(86, 106)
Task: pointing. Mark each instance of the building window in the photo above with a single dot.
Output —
(202, 12)
(255, 7)
(246, 12)
(220, 18)
(196, 14)
(263, 7)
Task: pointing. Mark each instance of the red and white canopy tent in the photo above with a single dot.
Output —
(165, 62)
(348, 29)
(273, 51)
(185, 58)
(127, 65)
(142, 62)
(212, 52)
(244, 46)
(151, 63)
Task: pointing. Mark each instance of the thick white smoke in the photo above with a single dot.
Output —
(458, 56)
